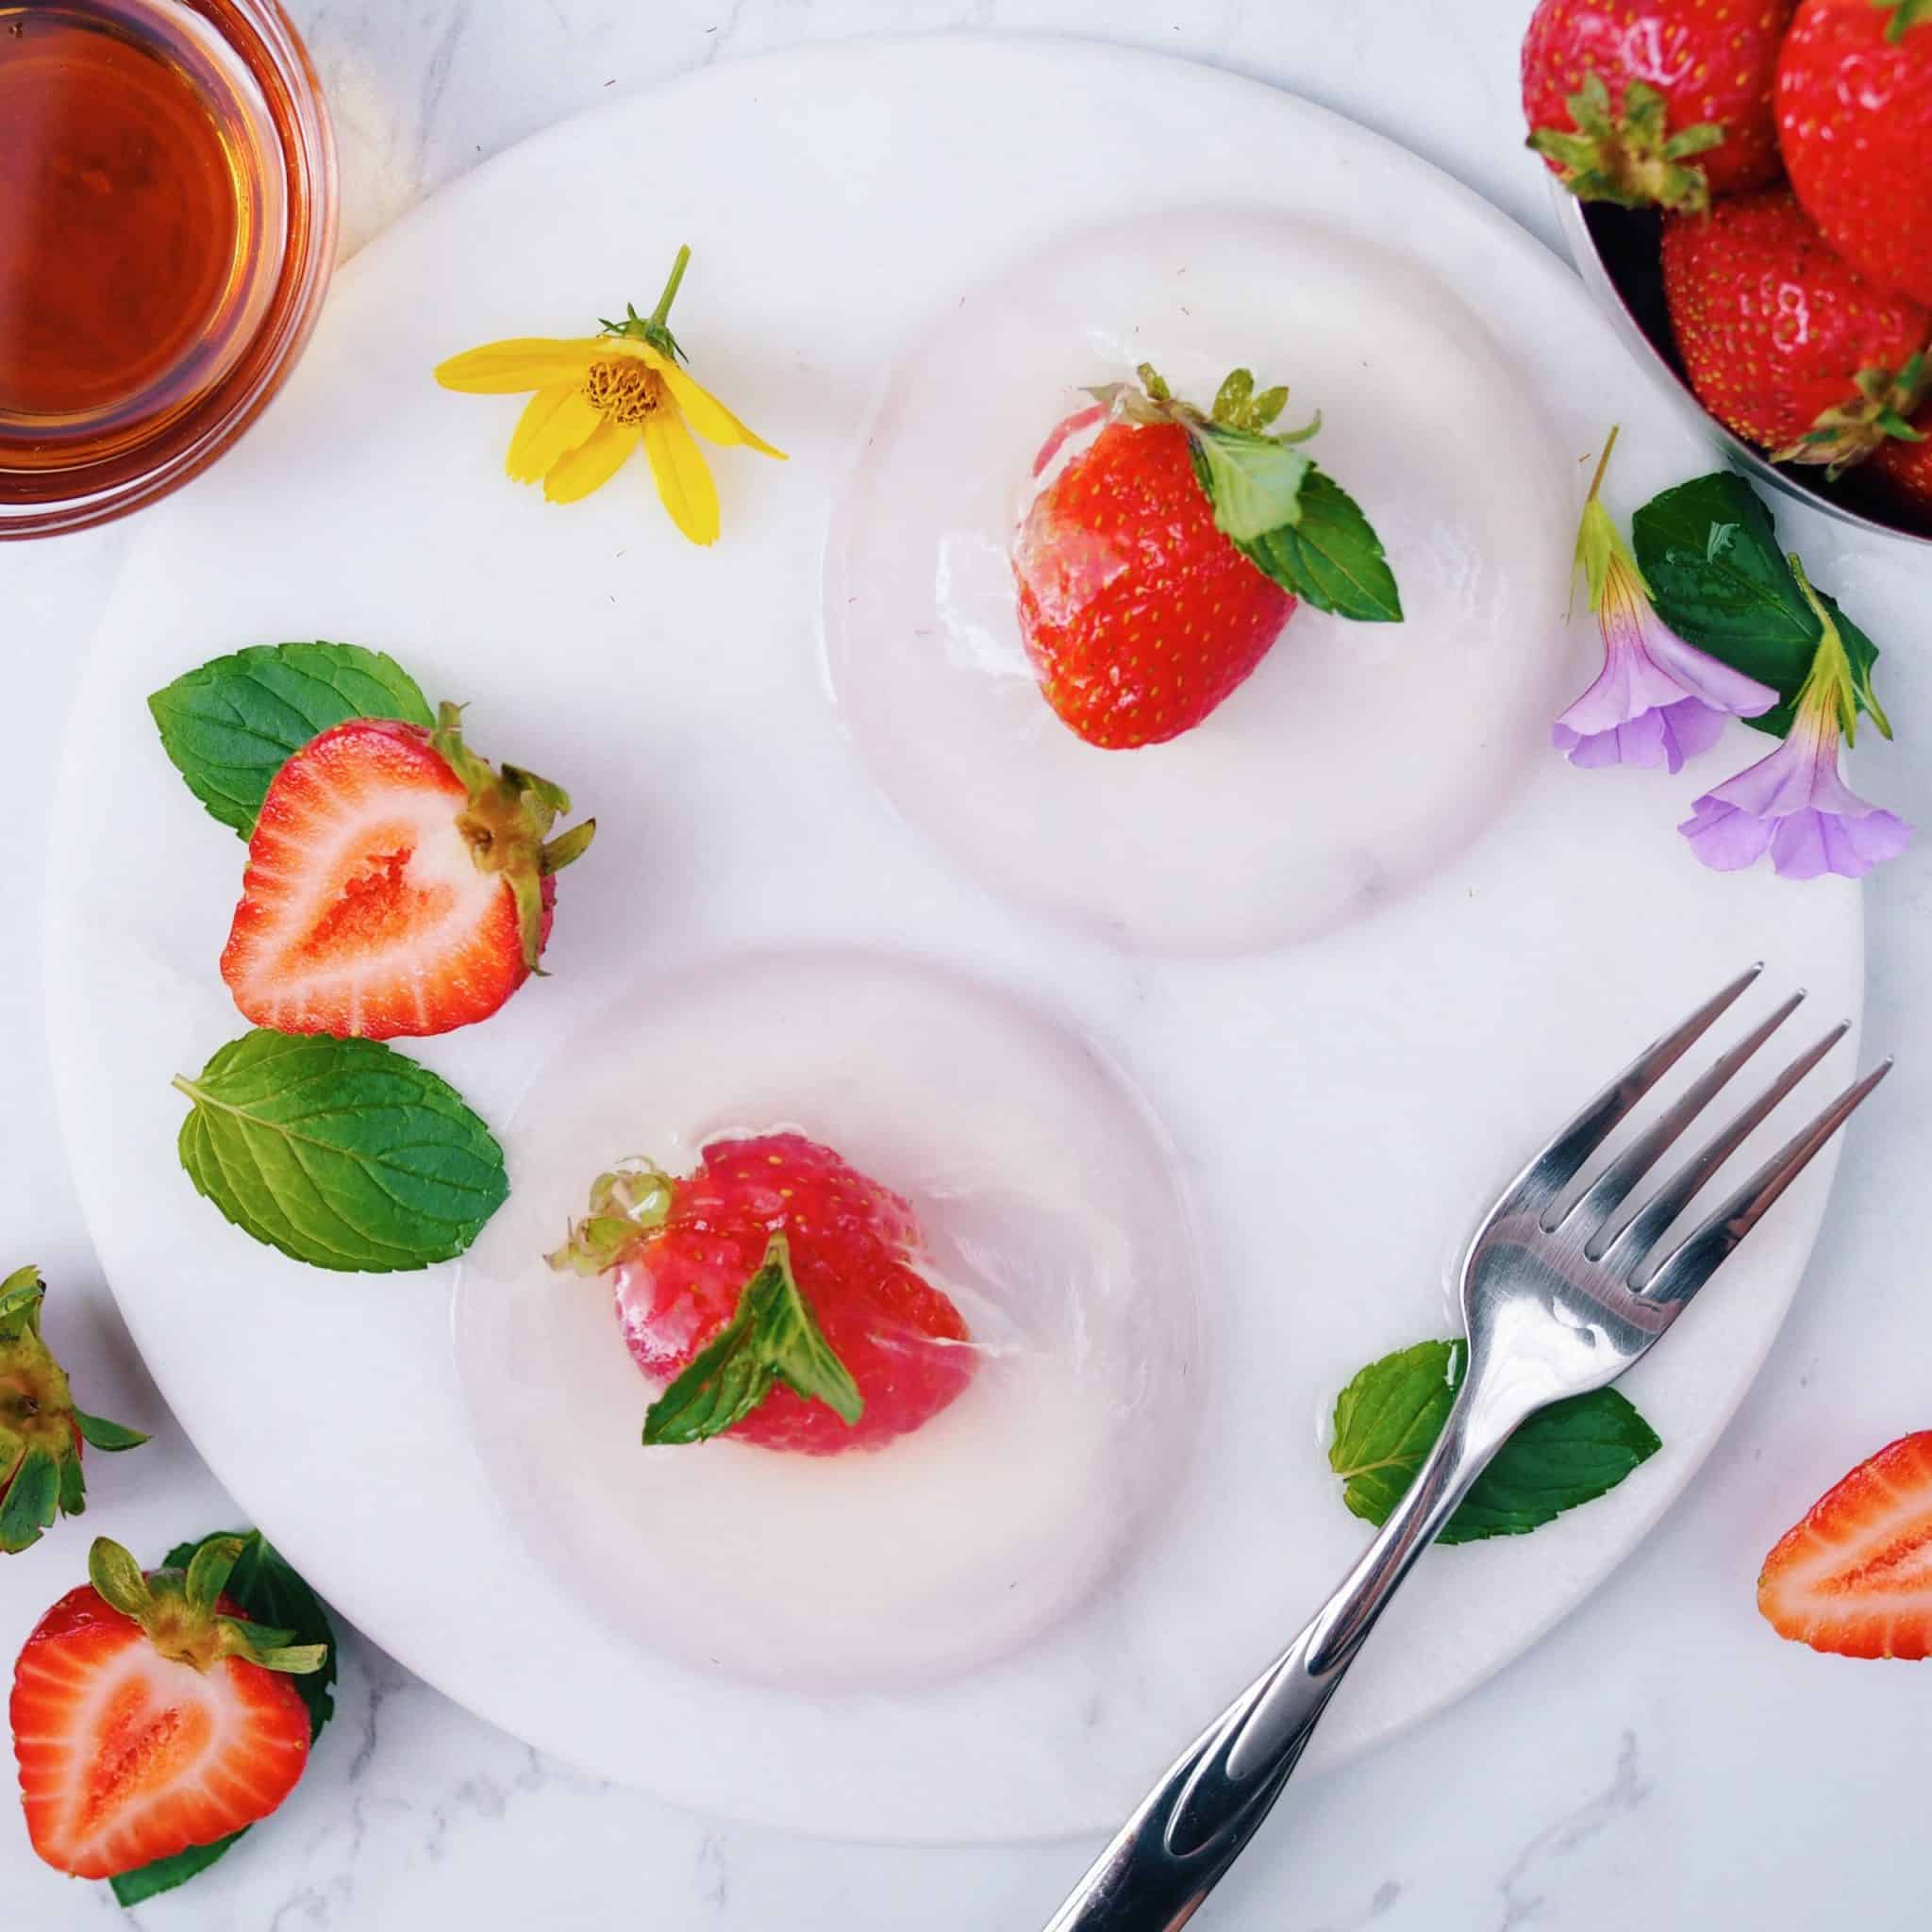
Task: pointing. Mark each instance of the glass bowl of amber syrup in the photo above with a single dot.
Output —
(167, 227)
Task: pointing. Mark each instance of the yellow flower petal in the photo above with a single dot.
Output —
(537, 413)
(591, 464)
(683, 481)
(567, 425)
(708, 416)
(500, 369)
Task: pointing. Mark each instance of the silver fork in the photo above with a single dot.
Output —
(1555, 1306)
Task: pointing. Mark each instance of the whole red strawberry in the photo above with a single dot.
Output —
(1855, 120)
(1159, 565)
(396, 884)
(148, 1716)
(1854, 1576)
(775, 1289)
(1654, 101)
(42, 1432)
(1783, 341)
(1905, 463)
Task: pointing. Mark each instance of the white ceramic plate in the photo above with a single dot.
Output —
(1340, 1108)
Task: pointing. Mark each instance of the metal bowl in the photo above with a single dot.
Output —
(1615, 251)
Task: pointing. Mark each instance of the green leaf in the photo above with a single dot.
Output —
(772, 1338)
(1388, 1419)
(32, 1497)
(1254, 482)
(341, 1153)
(272, 1595)
(97, 1432)
(146, 1881)
(232, 725)
(1708, 549)
(1331, 557)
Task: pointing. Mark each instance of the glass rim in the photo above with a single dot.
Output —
(49, 502)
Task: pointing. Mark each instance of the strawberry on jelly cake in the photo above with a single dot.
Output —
(775, 1290)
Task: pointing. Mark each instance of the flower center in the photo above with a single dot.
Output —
(624, 388)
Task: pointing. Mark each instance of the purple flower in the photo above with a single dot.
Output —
(1794, 805)
(1657, 700)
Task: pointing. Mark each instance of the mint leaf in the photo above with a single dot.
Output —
(269, 1592)
(232, 725)
(772, 1338)
(1709, 551)
(145, 1881)
(1254, 482)
(1330, 557)
(341, 1152)
(1388, 1419)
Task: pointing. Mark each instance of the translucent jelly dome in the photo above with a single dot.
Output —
(1052, 1222)
(1359, 755)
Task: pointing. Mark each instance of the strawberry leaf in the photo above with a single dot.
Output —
(772, 1338)
(1330, 556)
(1710, 552)
(99, 1433)
(232, 724)
(1388, 1419)
(32, 1498)
(341, 1153)
(270, 1592)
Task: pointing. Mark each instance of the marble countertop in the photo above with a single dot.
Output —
(1713, 1777)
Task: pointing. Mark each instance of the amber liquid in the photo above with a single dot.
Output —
(142, 221)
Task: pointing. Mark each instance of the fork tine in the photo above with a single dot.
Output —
(1698, 1257)
(1609, 1191)
(1558, 1164)
(1625, 1253)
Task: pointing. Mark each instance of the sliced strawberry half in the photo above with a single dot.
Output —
(1856, 1575)
(396, 884)
(148, 1716)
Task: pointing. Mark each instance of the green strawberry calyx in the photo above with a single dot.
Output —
(180, 1613)
(40, 1429)
(1629, 156)
(1287, 516)
(1905, 13)
(506, 826)
(1848, 432)
(626, 1205)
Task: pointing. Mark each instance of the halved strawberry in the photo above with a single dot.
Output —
(41, 1430)
(148, 1717)
(1856, 1575)
(396, 884)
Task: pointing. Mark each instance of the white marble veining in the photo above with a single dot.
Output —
(1717, 1779)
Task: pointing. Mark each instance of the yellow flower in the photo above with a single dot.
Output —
(596, 398)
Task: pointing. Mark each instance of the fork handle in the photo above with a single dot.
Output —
(1172, 1853)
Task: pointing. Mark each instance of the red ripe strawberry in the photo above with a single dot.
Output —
(41, 1430)
(1139, 616)
(149, 1717)
(776, 1285)
(396, 884)
(1856, 1575)
(1654, 101)
(1855, 120)
(1785, 343)
(1906, 464)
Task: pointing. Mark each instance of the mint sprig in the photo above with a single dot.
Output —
(1388, 1418)
(341, 1153)
(232, 724)
(267, 1592)
(772, 1338)
(1289, 518)
(1708, 550)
